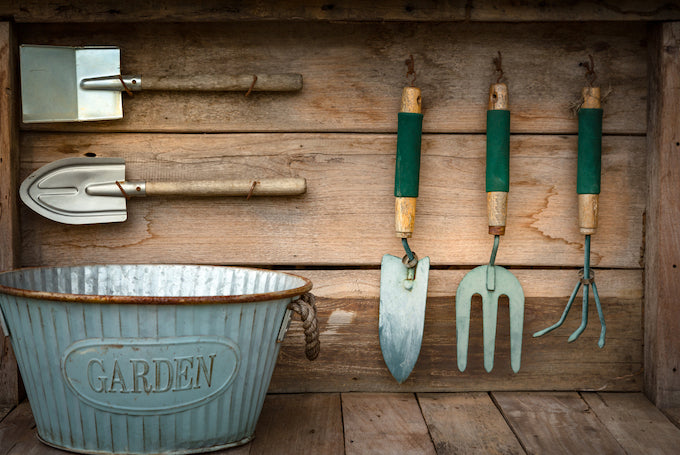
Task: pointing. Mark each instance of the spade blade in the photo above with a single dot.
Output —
(58, 191)
(51, 89)
(402, 314)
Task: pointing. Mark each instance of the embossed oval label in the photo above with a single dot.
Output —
(150, 376)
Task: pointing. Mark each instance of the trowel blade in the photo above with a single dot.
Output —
(51, 83)
(507, 284)
(402, 314)
(58, 191)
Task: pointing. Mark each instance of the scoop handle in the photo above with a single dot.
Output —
(589, 160)
(284, 82)
(407, 170)
(497, 158)
(262, 187)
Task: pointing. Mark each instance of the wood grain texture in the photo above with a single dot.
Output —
(18, 434)
(353, 10)
(350, 181)
(10, 242)
(384, 423)
(351, 359)
(662, 255)
(300, 423)
(673, 415)
(638, 426)
(345, 62)
(467, 423)
(556, 423)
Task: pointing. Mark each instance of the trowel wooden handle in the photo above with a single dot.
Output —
(497, 158)
(285, 82)
(262, 187)
(407, 171)
(589, 159)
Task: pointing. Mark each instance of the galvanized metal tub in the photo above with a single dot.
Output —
(146, 358)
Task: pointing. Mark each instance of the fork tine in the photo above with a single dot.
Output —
(489, 320)
(464, 294)
(516, 303)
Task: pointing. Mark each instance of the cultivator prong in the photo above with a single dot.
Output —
(586, 282)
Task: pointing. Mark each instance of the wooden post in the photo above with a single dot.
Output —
(10, 383)
(662, 255)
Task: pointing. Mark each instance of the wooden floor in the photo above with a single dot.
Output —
(432, 423)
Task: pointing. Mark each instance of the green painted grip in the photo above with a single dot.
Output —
(498, 150)
(589, 151)
(407, 172)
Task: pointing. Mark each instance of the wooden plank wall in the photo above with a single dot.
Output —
(10, 382)
(662, 284)
(339, 133)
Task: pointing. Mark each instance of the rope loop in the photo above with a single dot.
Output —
(305, 306)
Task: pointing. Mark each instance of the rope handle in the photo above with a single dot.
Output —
(305, 306)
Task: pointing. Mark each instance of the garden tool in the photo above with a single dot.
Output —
(403, 281)
(491, 281)
(588, 189)
(94, 190)
(74, 84)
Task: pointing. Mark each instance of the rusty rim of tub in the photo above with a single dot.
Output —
(156, 300)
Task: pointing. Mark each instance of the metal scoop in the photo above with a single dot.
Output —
(492, 281)
(74, 84)
(94, 190)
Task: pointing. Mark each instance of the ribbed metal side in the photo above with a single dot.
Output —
(112, 377)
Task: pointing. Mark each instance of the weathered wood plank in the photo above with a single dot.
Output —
(662, 256)
(350, 183)
(351, 359)
(467, 423)
(10, 383)
(638, 426)
(384, 423)
(343, 63)
(18, 434)
(354, 10)
(674, 415)
(300, 423)
(556, 423)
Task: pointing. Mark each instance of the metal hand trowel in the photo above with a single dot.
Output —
(94, 190)
(492, 281)
(74, 84)
(403, 282)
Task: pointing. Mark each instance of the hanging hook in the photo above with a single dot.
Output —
(591, 76)
(498, 63)
(410, 69)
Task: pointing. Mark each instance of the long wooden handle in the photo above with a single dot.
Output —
(407, 171)
(589, 160)
(285, 82)
(497, 158)
(263, 187)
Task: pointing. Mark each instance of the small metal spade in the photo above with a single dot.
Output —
(75, 84)
(403, 282)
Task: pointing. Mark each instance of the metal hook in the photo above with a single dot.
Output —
(591, 76)
(410, 69)
(411, 256)
(498, 62)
